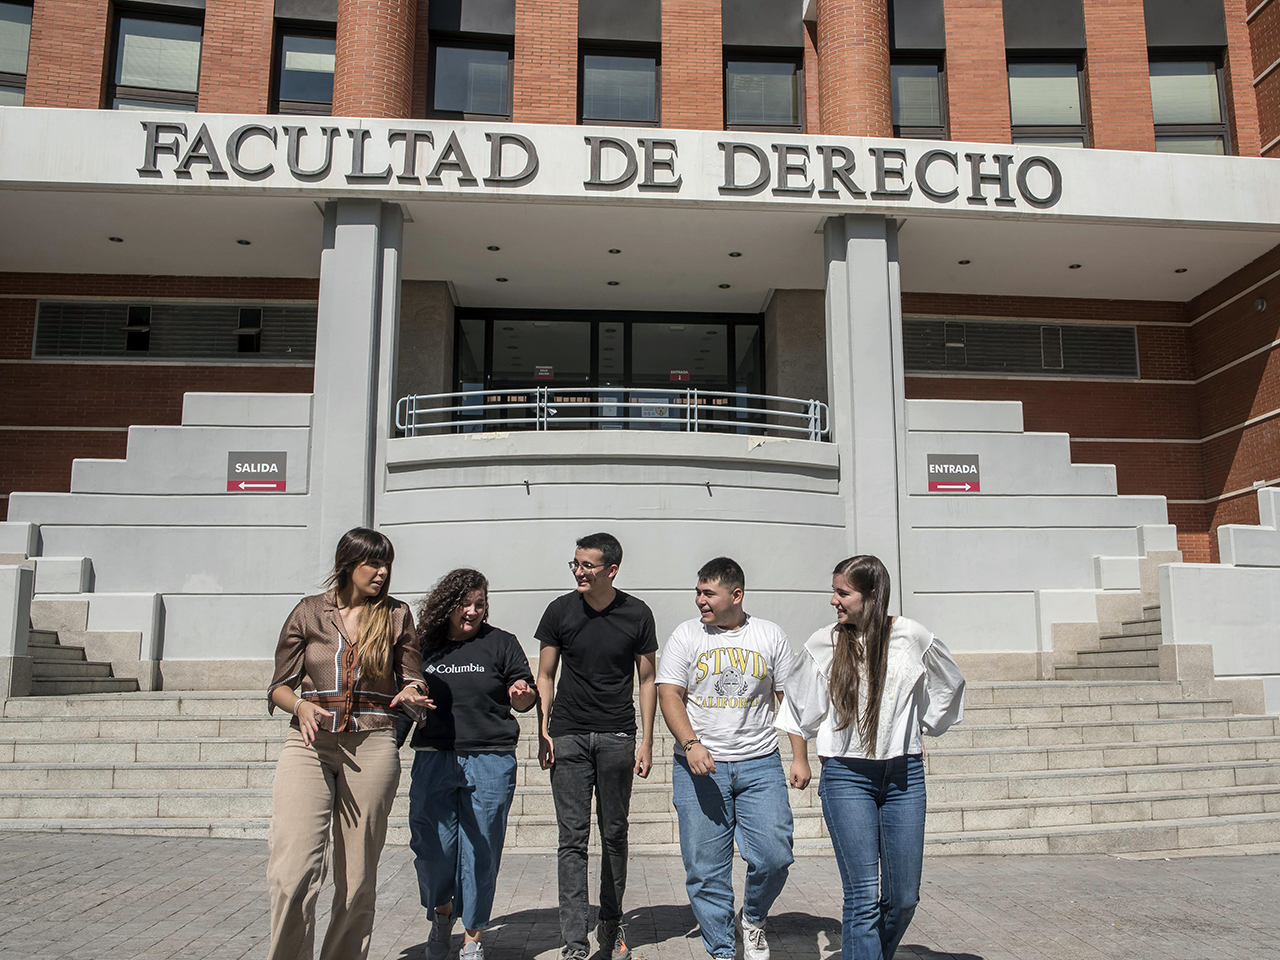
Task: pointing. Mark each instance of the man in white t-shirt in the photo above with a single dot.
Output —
(720, 678)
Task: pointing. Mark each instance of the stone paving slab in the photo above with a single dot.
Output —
(151, 898)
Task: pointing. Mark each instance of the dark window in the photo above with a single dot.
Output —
(304, 72)
(157, 63)
(15, 41)
(762, 92)
(918, 102)
(983, 346)
(1188, 107)
(470, 80)
(279, 333)
(619, 86)
(1045, 102)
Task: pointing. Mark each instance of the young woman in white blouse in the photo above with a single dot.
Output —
(867, 687)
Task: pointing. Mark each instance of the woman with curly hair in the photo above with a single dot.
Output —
(867, 687)
(464, 766)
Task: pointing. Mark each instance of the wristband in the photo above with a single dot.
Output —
(295, 706)
(689, 743)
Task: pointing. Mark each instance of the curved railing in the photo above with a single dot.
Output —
(611, 408)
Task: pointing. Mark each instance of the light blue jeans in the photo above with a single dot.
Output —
(458, 805)
(875, 813)
(746, 800)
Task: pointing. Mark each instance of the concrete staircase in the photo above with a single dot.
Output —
(57, 643)
(1132, 653)
(1038, 766)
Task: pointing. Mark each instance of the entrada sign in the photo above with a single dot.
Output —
(893, 171)
(953, 473)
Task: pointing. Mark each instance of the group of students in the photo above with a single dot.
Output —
(866, 688)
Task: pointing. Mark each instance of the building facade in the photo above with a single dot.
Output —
(723, 275)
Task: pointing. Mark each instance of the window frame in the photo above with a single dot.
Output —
(302, 108)
(161, 98)
(1223, 127)
(435, 41)
(635, 51)
(1021, 133)
(18, 81)
(938, 60)
(764, 55)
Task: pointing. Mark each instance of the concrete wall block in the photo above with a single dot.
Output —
(978, 622)
(59, 615)
(232, 626)
(1036, 464)
(63, 575)
(16, 587)
(94, 510)
(246, 410)
(938, 510)
(170, 460)
(1115, 607)
(1231, 609)
(964, 416)
(19, 538)
(1161, 537)
(1243, 545)
(1117, 573)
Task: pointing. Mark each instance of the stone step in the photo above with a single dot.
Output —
(1122, 710)
(64, 687)
(1129, 641)
(1104, 731)
(1073, 756)
(1099, 690)
(1120, 657)
(1115, 674)
(42, 637)
(54, 651)
(1143, 627)
(63, 669)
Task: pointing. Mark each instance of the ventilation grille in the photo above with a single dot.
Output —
(176, 331)
(1064, 349)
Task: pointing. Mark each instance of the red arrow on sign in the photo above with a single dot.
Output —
(248, 485)
(934, 486)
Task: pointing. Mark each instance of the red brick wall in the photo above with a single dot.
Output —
(853, 68)
(1264, 41)
(546, 62)
(45, 407)
(68, 60)
(421, 63)
(235, 59)
(692, 65)
(1242, 104)
(1118, 76)
(977, 79)
(373, 67)
(812, 107)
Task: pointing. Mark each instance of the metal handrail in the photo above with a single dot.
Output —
(472, 411)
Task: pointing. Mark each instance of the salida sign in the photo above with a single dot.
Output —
(256, 471)
(953, 473)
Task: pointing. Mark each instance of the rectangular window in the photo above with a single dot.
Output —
(157, 64)
(1021, 348)
(917, 99)
(1187, 106)
(762, 92)
(470, 80)
(304, 72)
(1045, 103)
(15, 41)
(619, 87)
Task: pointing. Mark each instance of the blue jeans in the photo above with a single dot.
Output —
(746, 799)
(875, 813)
(458, 805)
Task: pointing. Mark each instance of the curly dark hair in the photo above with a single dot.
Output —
(446, 596)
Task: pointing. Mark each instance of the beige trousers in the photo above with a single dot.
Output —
(346, 781)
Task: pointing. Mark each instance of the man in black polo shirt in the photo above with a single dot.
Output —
(588, 738)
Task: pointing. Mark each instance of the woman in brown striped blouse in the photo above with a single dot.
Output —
(353, 654)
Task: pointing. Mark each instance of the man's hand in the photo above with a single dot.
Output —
(700, 760)
(800, 773)
(644, 759)
(546, 752)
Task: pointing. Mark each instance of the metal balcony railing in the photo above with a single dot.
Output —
(611, 408)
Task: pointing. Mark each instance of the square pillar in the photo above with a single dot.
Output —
(865, 383)
(359, 284)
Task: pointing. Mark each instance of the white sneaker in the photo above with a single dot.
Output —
(441, 934)
(754, 944)
(472, 951)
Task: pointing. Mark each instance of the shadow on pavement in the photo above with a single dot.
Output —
(911, 951)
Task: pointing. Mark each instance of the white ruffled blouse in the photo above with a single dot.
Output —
(923, 693)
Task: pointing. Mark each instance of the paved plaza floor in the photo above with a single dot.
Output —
(108, 897)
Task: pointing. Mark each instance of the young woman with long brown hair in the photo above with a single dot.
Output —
(352, 652)
(867, 687)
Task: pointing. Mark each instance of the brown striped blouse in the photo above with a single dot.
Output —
(315, 657)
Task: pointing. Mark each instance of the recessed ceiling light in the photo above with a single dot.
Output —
(1260, 304)
(116, 239)
(508, 329)
(724, 286)
(613, 283)
(1074, 266)
(243, 243)
(615, 250)
(964, 263)
(609, 349)
(735, 253)
(494, 249)
(501, 279)
(1181, 270)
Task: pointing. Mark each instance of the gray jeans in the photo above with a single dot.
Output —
(603, 762)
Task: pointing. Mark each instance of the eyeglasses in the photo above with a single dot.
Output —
(586, 567)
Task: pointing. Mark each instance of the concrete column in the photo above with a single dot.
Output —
(359, 284)
(373, 63)
(865, 383)
(16, 586)
(853, 68)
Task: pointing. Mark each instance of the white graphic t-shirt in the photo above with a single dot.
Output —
(730, 677)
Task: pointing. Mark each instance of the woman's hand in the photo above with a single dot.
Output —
(800, 773)
(413, 695)
(521, 694)
(309, 715)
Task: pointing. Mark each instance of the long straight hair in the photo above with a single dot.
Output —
(373, 650)
(449, 593)
(862, 654)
